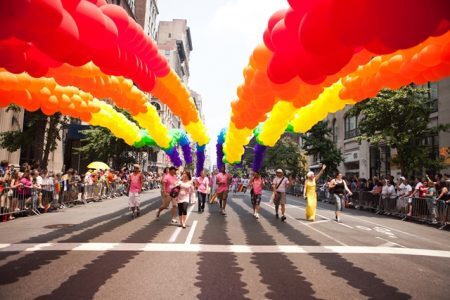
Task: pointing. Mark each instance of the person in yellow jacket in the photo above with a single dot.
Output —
(310, 195)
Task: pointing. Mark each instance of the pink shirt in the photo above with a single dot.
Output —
(257, 186)
(169, 182)
(222, 182)
(135, 183)
(202, 184)
(186, 190)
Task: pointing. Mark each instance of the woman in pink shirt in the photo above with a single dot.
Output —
(186, 191)
(256, 184)
(136, 180)
(201, 183)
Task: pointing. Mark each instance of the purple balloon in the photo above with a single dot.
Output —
(187, 153)
(219, 152)
(200, 153)
(258, 161)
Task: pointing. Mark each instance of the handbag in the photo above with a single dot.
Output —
(175, 191)
(277, 195)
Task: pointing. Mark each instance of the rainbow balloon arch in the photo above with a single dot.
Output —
(64, 56)
(319, 56)
(79, 57)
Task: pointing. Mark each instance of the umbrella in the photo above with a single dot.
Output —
(98, 165)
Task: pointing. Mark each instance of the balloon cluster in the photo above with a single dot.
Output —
(319, 56)
(39, 35)
(45, 94)
(258, 160)
(200, 163)
(219, 148)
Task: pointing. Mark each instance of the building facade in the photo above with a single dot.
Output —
(175, 43)
(146, 12)
(365, 160)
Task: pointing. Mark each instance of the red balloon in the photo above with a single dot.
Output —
(275, 18)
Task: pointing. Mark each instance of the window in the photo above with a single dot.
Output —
(432, 142)
(351, 127)
(170, 35)
(433, 96)
(334, 131)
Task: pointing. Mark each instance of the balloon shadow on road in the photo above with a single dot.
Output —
(278, 273)
(24, 266)
(219, 276)
(366, 282)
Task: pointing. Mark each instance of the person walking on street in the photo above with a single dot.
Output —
(310, 194)
(256, 184)
(169, 182)
(279, 185)
(186, 192)
(223, 182)
(202, 184)
(136, 181)
(339, 187)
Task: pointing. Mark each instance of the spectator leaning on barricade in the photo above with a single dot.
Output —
(404, 191)
(431, 195)
(443, 202)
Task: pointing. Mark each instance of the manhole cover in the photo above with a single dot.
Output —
(57, 226)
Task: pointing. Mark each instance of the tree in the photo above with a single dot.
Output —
(285, 155)
(400, 119)
(317, 142)
(100, 145)
(41, 131)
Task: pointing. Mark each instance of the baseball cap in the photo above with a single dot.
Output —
(402, 178)
(279, 171)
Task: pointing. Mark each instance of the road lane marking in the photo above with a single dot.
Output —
(191, 233)
(195, 248)
(177, 231)
(377, 224)
(345, 225)
(312, 228)
(389, 243)
(296, 207)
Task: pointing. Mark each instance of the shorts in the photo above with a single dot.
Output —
(222, 195)
(167, 200)
(256, 199)
(339, 199)
(281, 199)
(134, 200)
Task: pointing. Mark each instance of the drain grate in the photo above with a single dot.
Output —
(58, 226)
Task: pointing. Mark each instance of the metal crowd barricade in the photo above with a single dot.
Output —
(18, 201)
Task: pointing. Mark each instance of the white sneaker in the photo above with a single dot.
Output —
(174, 221)
(257, 215)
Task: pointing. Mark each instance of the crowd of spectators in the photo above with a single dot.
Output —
(27, 189)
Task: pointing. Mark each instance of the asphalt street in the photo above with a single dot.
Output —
(98, 251)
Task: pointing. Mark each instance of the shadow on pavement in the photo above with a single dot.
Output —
(218, 273)
(25, 265)
(366, 282)
(88, 281)
(278, 273)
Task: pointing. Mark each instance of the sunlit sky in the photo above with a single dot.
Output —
(224, 34)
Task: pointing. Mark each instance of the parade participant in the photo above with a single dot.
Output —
(168, 182)
(339, 187)
(201, 183)
(136, 181)
(310, 194)
(223, 182)
(165, 172)
(245, 182)
(186, 192)
(279, 185)
(256, 184)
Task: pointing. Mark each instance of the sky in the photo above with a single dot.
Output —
(224, 34)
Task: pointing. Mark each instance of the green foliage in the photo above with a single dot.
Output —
(400, 119)
(286, 155)
(317, 142)
(100, 145)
